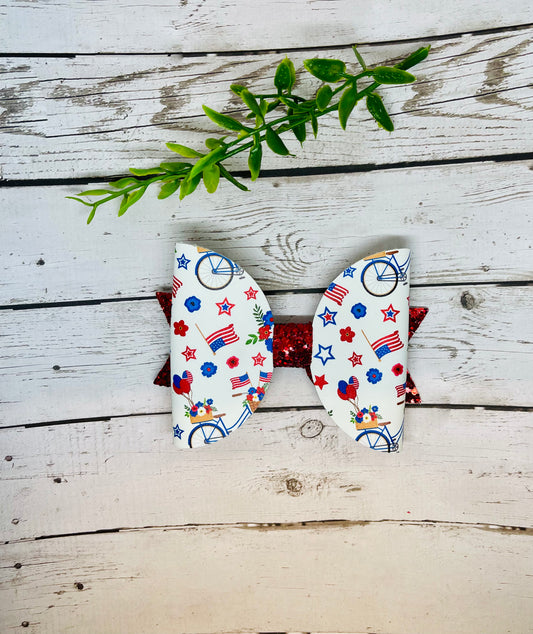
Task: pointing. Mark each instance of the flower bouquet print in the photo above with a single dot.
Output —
(224, 347)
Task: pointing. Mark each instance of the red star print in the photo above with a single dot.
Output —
(224, 307)
(258, 360)
(355, 359)
(320, 381)
(250, 293)
(189, 353)
(389, 314)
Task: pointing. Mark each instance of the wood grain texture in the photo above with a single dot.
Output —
(464, 224)
(386, 577)
(100, 360)
(280, 467)
(203, 26)
(100, 115)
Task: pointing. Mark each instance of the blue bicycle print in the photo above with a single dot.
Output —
(215, 271)
(213, 430)
(382, 274)
(381, 439)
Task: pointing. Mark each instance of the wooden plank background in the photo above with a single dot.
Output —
(287, 525)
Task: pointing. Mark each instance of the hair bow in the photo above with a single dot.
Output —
(223, 347)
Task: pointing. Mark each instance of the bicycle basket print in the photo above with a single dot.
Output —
(221, 346)
(360, 335)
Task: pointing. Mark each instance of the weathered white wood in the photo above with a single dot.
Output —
(464, 223)
(460, 465)
(386, 577)
(200, 26)
(109, 354)
(100, 115)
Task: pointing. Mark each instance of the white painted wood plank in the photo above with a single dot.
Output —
(109, 354)
(464, 223)
(200, 26)
(387, 577)
(460, 465)
(100, 115)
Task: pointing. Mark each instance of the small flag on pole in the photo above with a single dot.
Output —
(175, 285)
(336, 293)
(400, 390)
(389, 343)
(265, 377)
(221, 338)
(240, 381)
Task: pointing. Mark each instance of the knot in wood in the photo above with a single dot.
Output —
(311, 428)
(467, 300)
(294, 487)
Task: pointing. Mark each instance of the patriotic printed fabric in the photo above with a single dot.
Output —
(359, 357)
(221, 346)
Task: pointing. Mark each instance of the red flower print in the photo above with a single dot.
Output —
(250, 397)
(180, 328)
(232, 362)
(397, 369)
(347, 334)
(260, 390)
(264, 332)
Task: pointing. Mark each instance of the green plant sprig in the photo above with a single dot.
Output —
(183, 177)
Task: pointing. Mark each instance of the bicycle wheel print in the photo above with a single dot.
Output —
(375, 440)
(214, 271)
(379, 278)
(205, 434)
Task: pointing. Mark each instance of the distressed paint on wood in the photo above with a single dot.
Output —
(200, 26)
(100, 360)
(100, 115)
(283, 466)
(464, 223)
(389, 577)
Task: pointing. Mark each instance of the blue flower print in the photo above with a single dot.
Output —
(375, 409)
(374, 376)
(269, 343)
(210, 401)
(208, 369)
(365, 410)
(251, 390)
(192, 304)
(358, 310)
(268, 318)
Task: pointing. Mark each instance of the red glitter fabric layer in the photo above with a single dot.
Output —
(293, 344)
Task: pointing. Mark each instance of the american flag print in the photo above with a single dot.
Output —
(389, 343)
(265, 377)
(240, 381)
(221, 338)
(336, 293)
(400, 390)
(176, 284)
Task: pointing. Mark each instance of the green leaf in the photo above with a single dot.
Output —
(300, 132)
(237, 88)
(391, 75)
(273, 105)
(211, 176)
(91, 215)
(253, 339)
(323, 97)
(376, 108)
(254, 159)
(96, 192)
(212, 144)
(83, 202)
(168, 189)
(346, 104)
(224, 172)
(275, 143)
(314, 125)
(359, 58)
(175, 167)
(206, 160)
(330, 70)
(147, 172)
(285, 76)
(263, 105)
(413, 59)
(183, 150)
(251, 102)
(188, 185)
(222, 120)
(123, 182)
(130, 199)
(123, 205)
